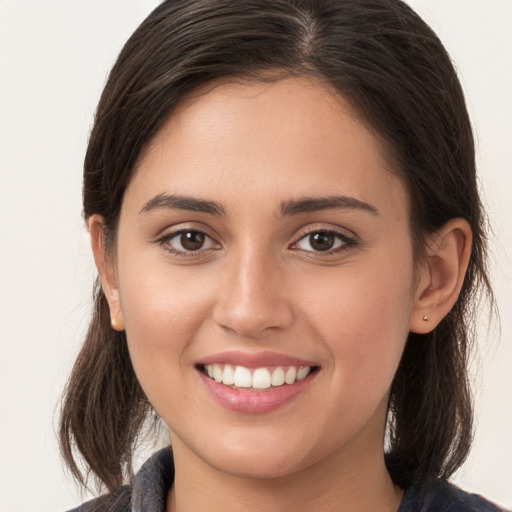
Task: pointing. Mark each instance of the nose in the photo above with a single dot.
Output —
(253, 297)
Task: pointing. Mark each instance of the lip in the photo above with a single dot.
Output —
(251, 401)
(254, 360)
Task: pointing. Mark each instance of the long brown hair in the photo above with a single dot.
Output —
(397, 75)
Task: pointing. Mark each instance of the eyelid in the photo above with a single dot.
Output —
(174, 229)
(178, 230)
(349, 241)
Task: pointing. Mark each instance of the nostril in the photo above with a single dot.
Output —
(252, 319)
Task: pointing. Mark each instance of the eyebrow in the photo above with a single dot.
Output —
(315, 204)
(179, 202)
(293, 207)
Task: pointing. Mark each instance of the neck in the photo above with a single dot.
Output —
(357, 482)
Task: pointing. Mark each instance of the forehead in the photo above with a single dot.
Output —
(263, 139)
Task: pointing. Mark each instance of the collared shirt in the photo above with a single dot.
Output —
(150, 487)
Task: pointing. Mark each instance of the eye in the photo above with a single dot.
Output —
(323, 241)
(187, 241)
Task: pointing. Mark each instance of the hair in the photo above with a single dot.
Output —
(396, 74)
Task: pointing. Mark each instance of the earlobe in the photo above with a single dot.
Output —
(106, 270)
(441, 275)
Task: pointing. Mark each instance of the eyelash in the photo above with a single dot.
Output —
(166, 239)
(345, 242)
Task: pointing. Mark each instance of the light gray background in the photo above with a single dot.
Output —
(54, 57)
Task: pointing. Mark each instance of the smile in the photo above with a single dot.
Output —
(256, 378)
(255, 383)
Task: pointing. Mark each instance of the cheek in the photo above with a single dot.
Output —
(161, 320)
(162, 310)
(363, 315)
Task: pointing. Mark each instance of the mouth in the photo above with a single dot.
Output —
(256, 379)
(255, 383)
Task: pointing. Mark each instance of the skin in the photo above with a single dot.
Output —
(258, 284)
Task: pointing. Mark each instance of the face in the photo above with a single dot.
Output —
(264, 274)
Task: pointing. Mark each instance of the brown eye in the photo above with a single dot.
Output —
(192, 240)
(322, 241)
(187, 241)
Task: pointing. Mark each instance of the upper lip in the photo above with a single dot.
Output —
(254, 360)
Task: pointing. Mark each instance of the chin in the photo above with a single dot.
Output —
(259, 455)
(262, 466)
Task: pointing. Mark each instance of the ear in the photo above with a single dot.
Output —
(441, 275)
(106, 269)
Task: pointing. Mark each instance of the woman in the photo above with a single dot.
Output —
(283, 210)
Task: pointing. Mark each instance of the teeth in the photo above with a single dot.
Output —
(217, 373)
(289, 376)
(278, 377)
(242, 377)
(303, 372)
(259, 378)
(229, 375)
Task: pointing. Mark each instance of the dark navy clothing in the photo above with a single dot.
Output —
(442, 496)
(149, 489)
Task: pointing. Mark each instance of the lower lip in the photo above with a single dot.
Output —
(254, 402)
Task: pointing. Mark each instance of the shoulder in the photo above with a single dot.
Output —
(147, 492)
(442, 496)
(119, 501)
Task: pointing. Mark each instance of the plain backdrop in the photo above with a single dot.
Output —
(54, 57)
